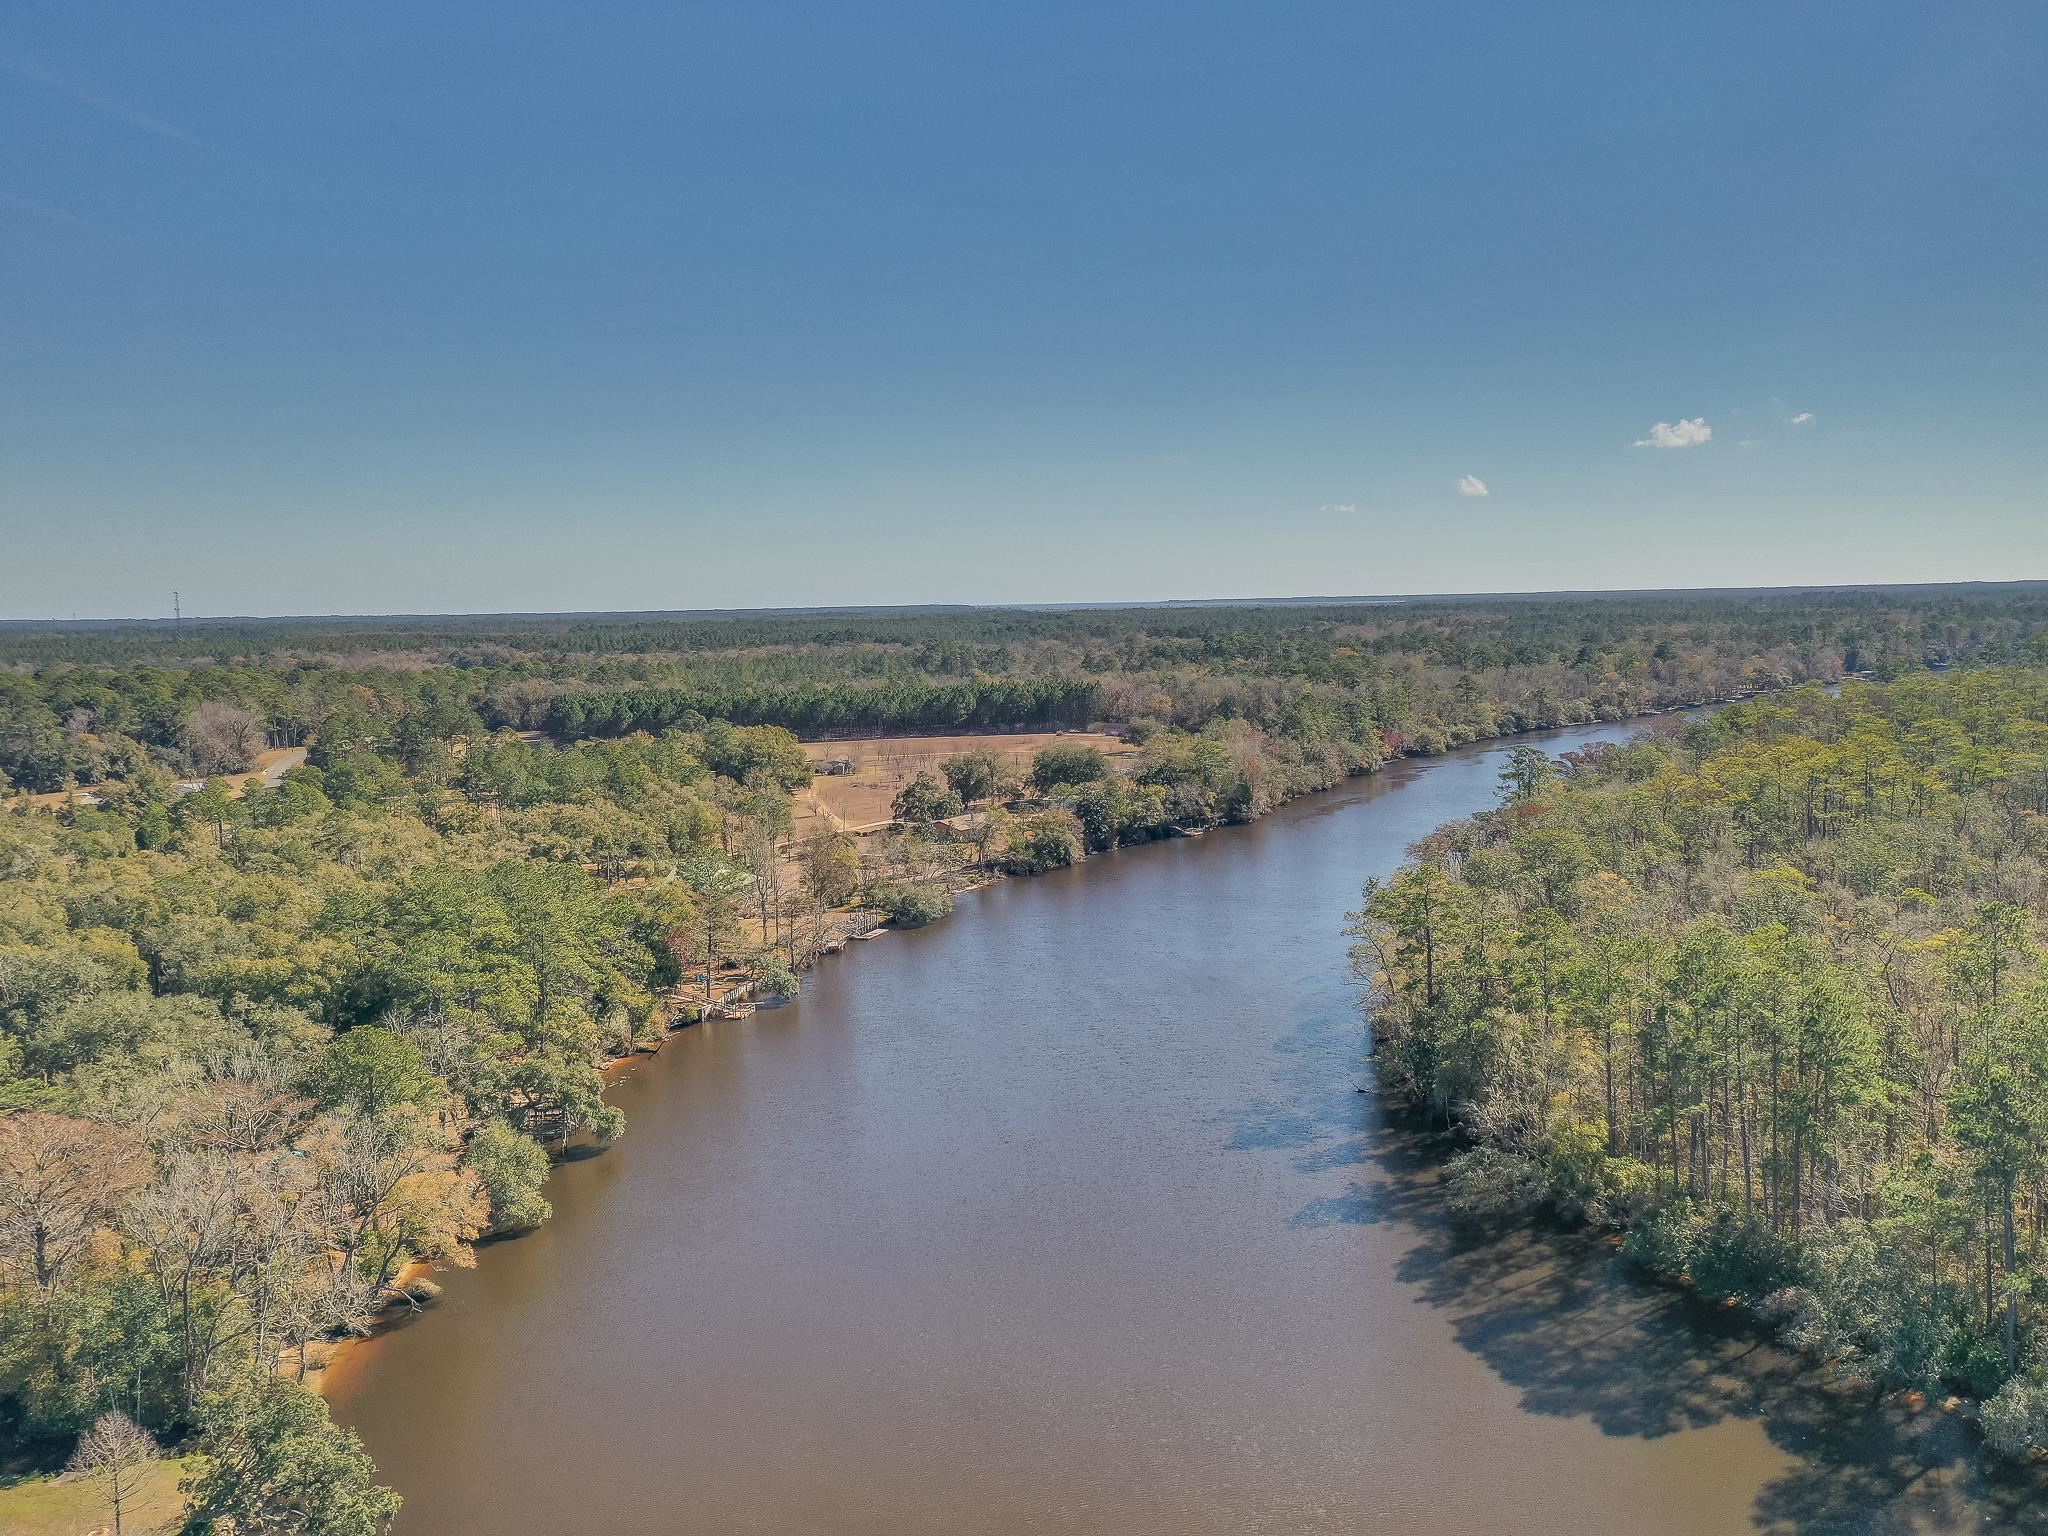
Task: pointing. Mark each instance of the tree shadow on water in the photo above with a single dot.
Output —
(1361, 1205)
(1315, 1108)
(1561, 1317)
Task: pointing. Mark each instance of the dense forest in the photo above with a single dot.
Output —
(1766, 993)
(83, 703)
(315, 937)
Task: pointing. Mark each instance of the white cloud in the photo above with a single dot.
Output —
(1801, 419)
(1683, 433)
(1471, 485)
(1345, 507)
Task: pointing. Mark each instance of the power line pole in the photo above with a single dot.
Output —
(177, 612)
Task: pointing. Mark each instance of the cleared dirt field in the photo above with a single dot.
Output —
(883, 765)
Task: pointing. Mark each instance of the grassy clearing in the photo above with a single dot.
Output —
(45, 1506)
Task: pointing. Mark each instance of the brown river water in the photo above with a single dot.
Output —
(1065, 1215)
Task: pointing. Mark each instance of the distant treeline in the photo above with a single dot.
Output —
(1878, 627)
(98, 704)
(904, 705)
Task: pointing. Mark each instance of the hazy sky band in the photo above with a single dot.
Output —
(764, 305)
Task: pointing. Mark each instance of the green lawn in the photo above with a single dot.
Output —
(43, 1506)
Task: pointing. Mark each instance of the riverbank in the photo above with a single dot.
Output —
(1938, 1431)
(859, 778)
(1583, 1331)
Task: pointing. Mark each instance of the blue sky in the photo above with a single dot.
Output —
(476, 307)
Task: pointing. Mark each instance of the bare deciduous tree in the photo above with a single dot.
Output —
(114, 1455)
(389, 1187)
(321, 1301)
(193, 1232)
(223, 737)
(60, 1181)
(229, 1116)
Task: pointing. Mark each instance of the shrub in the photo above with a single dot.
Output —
(1919, 1342)
(1041, 843)
(1488, 1184)
(512, 1167)
(1099, 807)
(1059, 766)
(912, 905)
(1664, 1240)
(1428, 740)
(1628, 1194)
(778, 980)
(1577, 1170)
(2015, 1420)
(1733, 1258)
(1978, 1363)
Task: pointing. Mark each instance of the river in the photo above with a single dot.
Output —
(1064, 1215)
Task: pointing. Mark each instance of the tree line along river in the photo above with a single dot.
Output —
(1065, 1215)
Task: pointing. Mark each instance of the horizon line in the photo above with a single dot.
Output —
(800, 610)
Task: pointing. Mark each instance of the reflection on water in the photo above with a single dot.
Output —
(1065, 1215)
